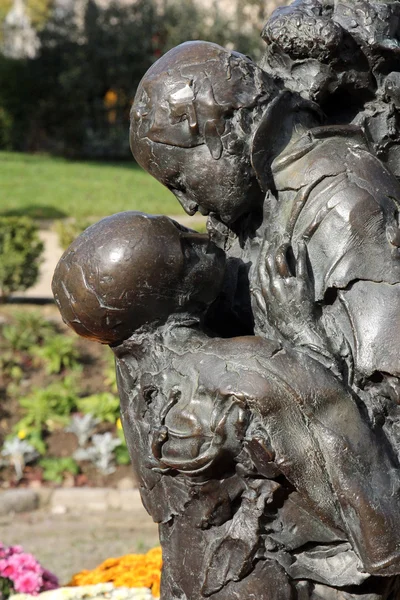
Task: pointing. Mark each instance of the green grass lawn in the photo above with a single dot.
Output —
(51, 188)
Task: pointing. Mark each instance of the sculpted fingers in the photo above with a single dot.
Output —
(282, 267)
(302, 261)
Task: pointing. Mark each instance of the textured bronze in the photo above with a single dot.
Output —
(258, 366)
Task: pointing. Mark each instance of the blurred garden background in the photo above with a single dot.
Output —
(68, 74)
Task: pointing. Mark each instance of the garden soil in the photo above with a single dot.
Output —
(68, 543)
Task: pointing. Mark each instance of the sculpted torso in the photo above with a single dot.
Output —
(247, 408)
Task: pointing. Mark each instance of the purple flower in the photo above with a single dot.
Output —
(50, 581)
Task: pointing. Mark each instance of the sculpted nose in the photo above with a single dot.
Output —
(189, 206)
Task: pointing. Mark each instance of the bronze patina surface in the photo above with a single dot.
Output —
(258, 365)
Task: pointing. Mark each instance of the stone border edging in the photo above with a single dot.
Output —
(62, 500)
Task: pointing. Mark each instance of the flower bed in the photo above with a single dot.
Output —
(129, 577)
(131, 570)
(59, 417)
(21, 572)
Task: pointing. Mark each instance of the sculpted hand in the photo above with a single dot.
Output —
(285, 296)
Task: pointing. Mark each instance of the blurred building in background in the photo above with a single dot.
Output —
(20, 39)
(245, 12)
(70, 68)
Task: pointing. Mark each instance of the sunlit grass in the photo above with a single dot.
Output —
(46, 187)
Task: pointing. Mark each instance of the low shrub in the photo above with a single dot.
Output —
(49, 407)
(20, 253)
(54, 469)
(68, 231)
(26, 330)
(10, 367)
(6, 127)
(121, 452)
(104, 406)
(58, 354)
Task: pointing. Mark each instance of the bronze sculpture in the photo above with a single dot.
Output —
(257, 366)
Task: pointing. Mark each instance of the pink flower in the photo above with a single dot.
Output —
(28, 583)
(23, 572)
(8, 568)
(26, 562)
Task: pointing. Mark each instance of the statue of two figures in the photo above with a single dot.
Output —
(258, 366)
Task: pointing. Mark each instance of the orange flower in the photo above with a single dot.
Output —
(111, 98)
(131, 570)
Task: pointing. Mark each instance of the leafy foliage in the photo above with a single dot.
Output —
(83, 426)
(54, 469)
(20, 252)
(104, 406)
(18, 453)
(101, 452)
(58, 353)
(66, 105)
(121, 452)
(6, 125)
(27, 330)
(6, 588)
(39, 11)
(110, 373)
(10, 366)
(111, 52)
(69, 230)
(35, 438)
(48, 407)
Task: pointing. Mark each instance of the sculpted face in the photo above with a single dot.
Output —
(132, 269)
(191, 125)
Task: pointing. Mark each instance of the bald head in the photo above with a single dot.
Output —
(193, 115)
(187, 95)
(127, 271)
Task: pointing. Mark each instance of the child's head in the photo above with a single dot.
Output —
(191, 127)
(133, 269)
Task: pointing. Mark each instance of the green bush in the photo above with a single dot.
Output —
(58, 353)
(10, 366)
(20, 252)
(55, 468)
(68, 231)
(27, 330)
(121, 452)
(49, 407)
(110, 374)
(104, 406)
(6, 125)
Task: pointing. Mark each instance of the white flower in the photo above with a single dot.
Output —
(100, 591)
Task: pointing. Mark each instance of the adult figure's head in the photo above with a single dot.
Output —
(192, 122)
(132, 269)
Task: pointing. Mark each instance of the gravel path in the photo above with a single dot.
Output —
(69, 543)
